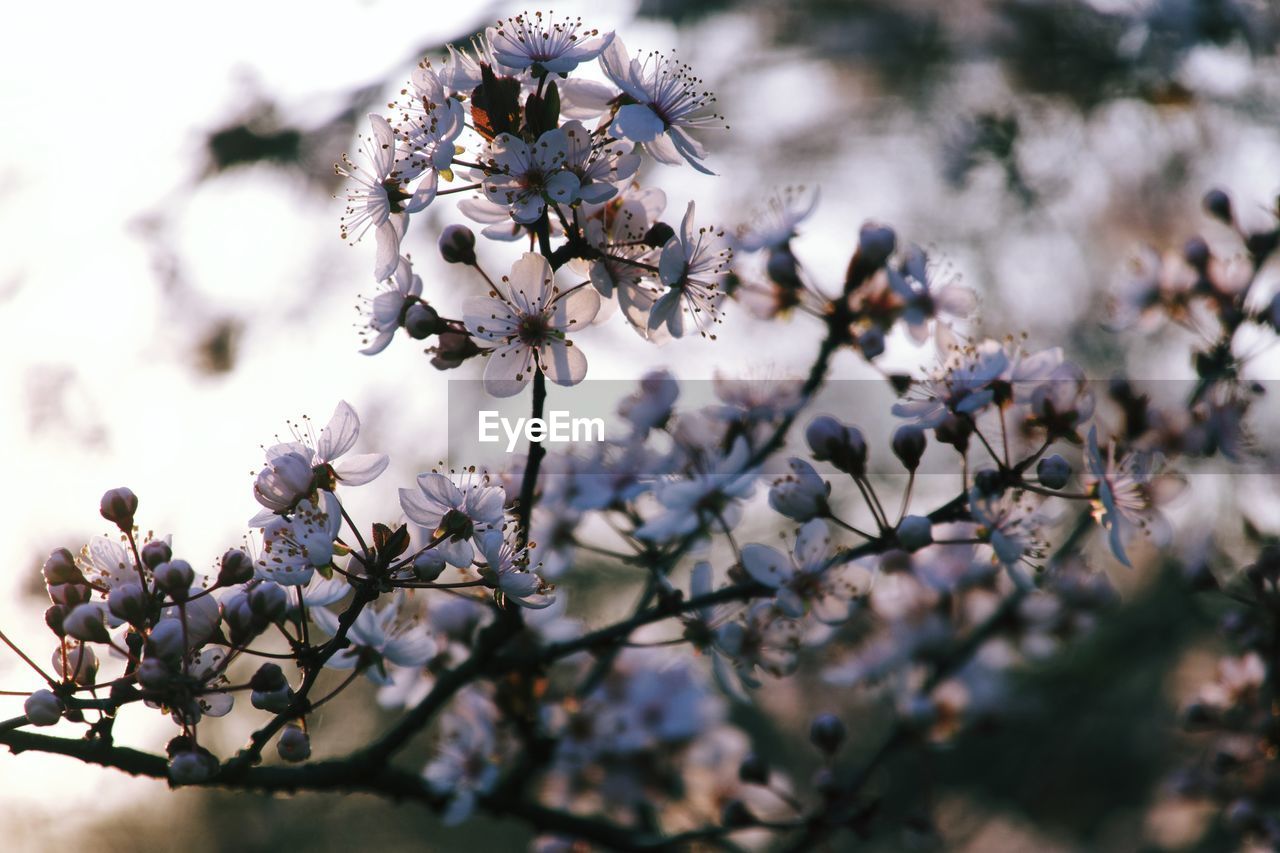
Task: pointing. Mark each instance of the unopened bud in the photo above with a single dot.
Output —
(428, 565)
(421, 321)
(69, 594)
(294, 744)
(826, 732)
(191, 768)
(1053, 471)
(1196, 251)
(842, 446)
(908, 445)
(155, 552)
(989, 482)
(783, 269)
(269, 601)
(876, 243)
(128, 601)
(871, 342)
(154, 674)
(61, 567)
(118, 507)
(458, 245)
(1218, 205)
(43, 708)
(954, 430)
(166, 641)
(236, 567)
(273, 701)
(175, 577)
(268, 678)
(915, 532)
(85, 623)
(658, 235)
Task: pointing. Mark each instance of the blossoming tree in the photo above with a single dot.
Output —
(618, 736)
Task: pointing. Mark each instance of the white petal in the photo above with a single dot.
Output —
(563, 363)
(361, 468)
(489, 319)
(766, 566)
(530, 283)
(637, 123)
(508, 369)
(388, 246)
(576, 309)
(339, 434)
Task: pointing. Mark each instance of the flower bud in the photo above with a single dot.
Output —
(954, 430)
(826, 732)
(294, 744)
(1053, 471)
(871, 342)
(81, 663)
(458, 245)
(43, 708)
(1196, 251)
(154, 674)
(155, 552)
(273, 701)
(237, 567)
(242, 623)
(69, 594)
(802, 495)
(128, 601)
(268, 678)
(269, 601)
(876, 243)
(118, 507)
(61, 567)
(783, 269)
(754, 770)
(452, 349)
(55, 616)
(284, 481)
(908, 445)
(915, 532)
(428, 565)
(989, 482)
(191, 768)
(1218, 205)
(421, 321)
(842, 446)
(85, 623)
(175, 577)
(166, 641)
(658, 235)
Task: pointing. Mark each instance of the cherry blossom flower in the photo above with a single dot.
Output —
(807, 577)
(525, 179)
(774, 225)
(545, 46)
(387, 309)
(465, 761)
(507, 568)
(378, 199)
(379, 636)
(599, 168)
(453, 513)
(524, 325)
(667, 103)
(914, 280)
(707, 495)
(1122, 489)
(294, 547)
(691, 266)
(283, 482)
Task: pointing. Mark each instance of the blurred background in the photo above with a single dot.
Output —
(175, 289)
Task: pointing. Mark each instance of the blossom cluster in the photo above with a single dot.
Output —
(762, 537)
